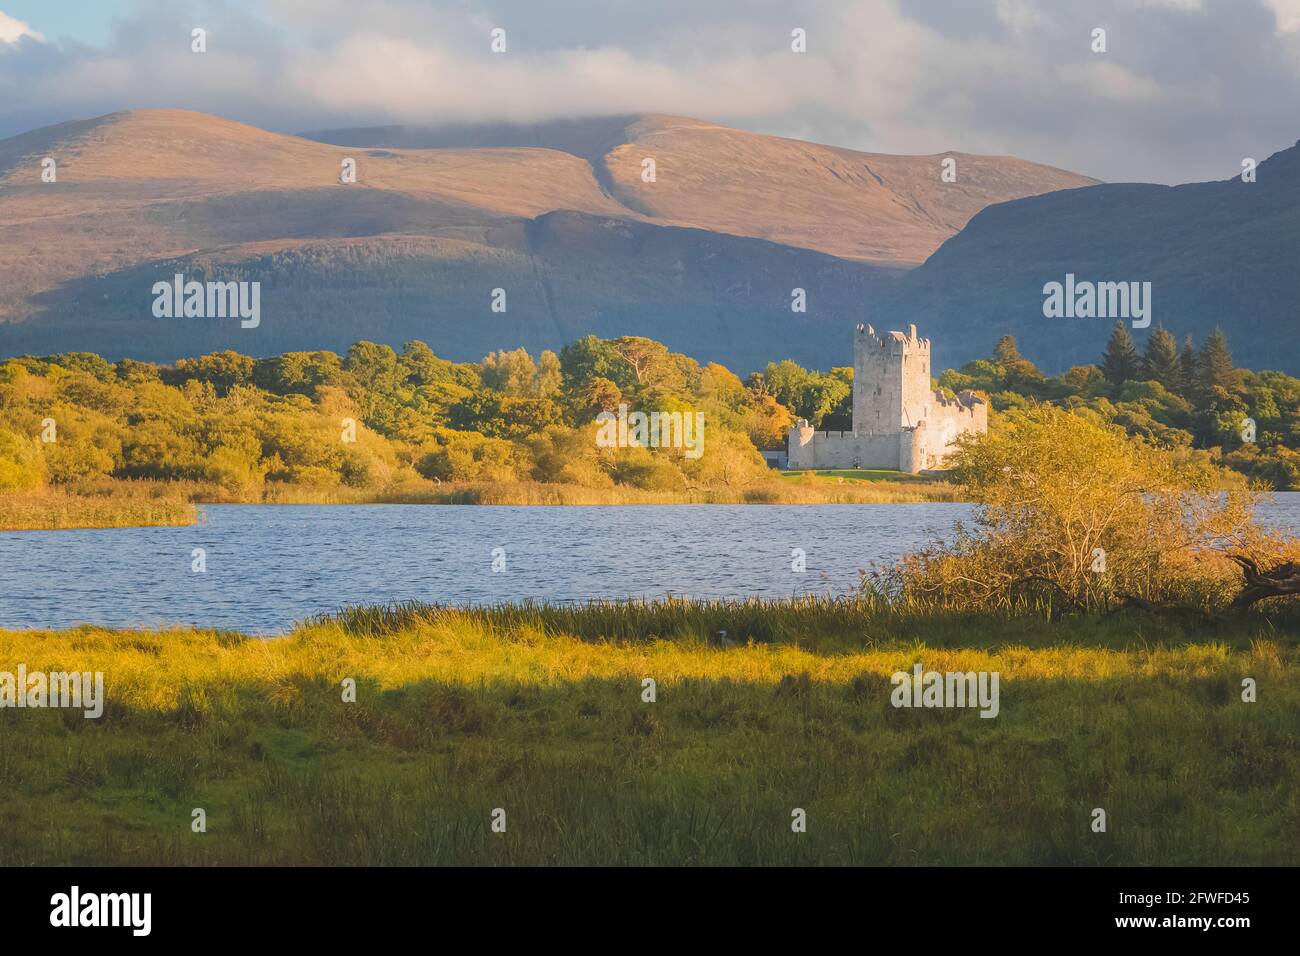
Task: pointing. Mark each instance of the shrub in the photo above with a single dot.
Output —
(1071, 510)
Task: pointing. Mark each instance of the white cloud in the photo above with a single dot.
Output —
(1287, 13)
(11, 30)
(1188, 88)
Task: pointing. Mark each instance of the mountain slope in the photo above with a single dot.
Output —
(1216, 253)
(153, 183)
(704, 258)
(878, 208)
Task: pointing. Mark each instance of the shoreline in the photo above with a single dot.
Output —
(161, 504)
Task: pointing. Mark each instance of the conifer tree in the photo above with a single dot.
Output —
(1006, 351)
(1120, 361)
(1018, 373)
(1160, 358)
(1189, 365)
(1216, 362)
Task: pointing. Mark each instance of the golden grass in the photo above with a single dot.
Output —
(55, 510)
(121, 504)
(531, 709)
(151, 670)
(774, 491)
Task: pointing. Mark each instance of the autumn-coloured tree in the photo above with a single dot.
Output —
(1072, 513)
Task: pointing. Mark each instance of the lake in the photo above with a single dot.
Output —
(270, 565)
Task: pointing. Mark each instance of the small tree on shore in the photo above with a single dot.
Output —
(1072, 512)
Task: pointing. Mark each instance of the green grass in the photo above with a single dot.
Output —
(538, 710)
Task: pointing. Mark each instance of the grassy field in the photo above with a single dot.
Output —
(539, 711)
(136, 504)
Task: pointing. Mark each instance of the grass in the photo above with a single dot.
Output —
(119, 504)
(776, 491)
(860, 474)
(538, 710)
(123, 507)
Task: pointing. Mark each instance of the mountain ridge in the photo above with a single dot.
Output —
(615, 145)
(1217, 253)
(141, 194)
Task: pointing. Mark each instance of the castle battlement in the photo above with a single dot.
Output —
(966, 400)
(899, 419)
(894, 342)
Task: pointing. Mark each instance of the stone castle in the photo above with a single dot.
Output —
(899, 421)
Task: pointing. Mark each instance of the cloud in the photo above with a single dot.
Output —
(11, 30)
(1186, 88)
(1287, 13)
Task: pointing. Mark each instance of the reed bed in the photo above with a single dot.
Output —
(120, 504)
(127, 508)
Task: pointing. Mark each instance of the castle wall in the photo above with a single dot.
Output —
(812, 449)
(948, 420)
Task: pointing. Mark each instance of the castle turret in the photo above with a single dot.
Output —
(799, 446)
(891, 380)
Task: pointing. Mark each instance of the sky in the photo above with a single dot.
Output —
(1183, 92)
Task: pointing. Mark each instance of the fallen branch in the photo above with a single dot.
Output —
(1280, 581)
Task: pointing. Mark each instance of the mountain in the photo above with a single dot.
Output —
(872, 207)
(1215, 253)
(557, 215)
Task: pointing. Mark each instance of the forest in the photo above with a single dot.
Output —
(376, 418)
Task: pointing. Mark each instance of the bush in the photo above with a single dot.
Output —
(469, 456)
(20, 462)
(1072, 511)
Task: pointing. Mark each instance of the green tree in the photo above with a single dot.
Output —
(549, 378)
(298, 373)
(1160, 359)
(651, 363)
(1120, 361)
(1189, 367)
(1006, 351)
(223, 369)
(1216, 363)
(20, 462)
(509, 372)
(590, 358)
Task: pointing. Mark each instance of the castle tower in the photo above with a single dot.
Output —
(891, 380)
(899, 421)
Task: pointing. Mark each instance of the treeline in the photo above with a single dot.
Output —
(376, 418)
(1173, 396)
(237, 422)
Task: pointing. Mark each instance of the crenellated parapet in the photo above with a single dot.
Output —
(893, 343)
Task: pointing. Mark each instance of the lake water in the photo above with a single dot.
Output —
(270, 565)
